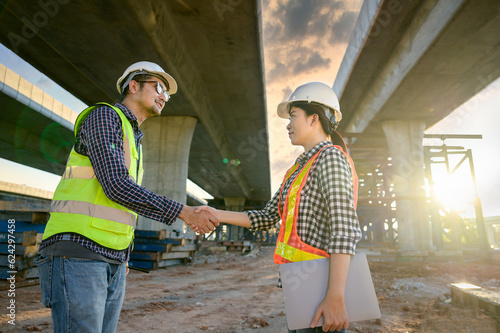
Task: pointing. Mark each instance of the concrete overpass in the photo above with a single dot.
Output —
(408, 65)
(214, 130)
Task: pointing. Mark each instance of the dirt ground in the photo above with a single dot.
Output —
(230, 292)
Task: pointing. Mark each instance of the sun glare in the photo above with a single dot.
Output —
(455, 192)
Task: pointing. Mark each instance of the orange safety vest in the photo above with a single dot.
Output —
(289, 247)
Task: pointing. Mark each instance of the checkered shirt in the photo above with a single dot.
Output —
(327, 219)
(100, 137)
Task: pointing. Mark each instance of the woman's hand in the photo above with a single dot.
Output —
(225, 216)
(215, 212)
(332, 308)
(211, 210)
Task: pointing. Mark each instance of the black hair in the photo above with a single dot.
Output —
(327, 126)
(138, 78)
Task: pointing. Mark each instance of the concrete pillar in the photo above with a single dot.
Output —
(234, 204)
(166, 145)
(405, 140)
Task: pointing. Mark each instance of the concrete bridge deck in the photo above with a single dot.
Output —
(213, 51)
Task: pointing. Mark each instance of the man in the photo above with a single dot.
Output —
(88, 238)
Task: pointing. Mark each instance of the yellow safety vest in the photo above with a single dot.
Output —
(80, 205)
(289, 246)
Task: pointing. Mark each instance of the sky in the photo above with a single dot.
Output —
(305, 41)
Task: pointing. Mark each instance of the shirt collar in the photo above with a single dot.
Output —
(305, 156)
(133, 119)
(126, 112)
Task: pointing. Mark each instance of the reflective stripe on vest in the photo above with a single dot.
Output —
(80, 204)
(87, 172)
(289, 247)
(86, 208)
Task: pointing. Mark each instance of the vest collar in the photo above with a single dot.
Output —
(305, 156)
(126, 111)
(131, 117)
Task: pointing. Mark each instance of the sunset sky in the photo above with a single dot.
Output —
(305, 41)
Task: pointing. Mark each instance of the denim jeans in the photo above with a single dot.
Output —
(85, 295)
(313, 330)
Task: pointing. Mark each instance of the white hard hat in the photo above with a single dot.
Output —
(316, 92)
(146, 67)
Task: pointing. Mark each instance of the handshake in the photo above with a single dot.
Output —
(202, 219)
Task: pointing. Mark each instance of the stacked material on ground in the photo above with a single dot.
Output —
(152, 250)
(22, 223)
(242, 246)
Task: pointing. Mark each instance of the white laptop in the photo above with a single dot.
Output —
(305, 284)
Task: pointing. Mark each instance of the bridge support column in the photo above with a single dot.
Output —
(166, 145)
(234, 204)
(405, 140)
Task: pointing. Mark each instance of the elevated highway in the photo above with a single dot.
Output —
(408, 65)
(214, 130)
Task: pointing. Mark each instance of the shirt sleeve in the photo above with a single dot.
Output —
(268, 217)
(101, 139)
(337, 189)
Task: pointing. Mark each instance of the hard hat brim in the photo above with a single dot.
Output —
(172, 84)
(283, 109)
(166, 78)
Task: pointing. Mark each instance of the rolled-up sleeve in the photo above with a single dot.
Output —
(101, 139)
(337, 190)
(266, 218)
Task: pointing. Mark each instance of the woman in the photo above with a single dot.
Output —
(317, 199)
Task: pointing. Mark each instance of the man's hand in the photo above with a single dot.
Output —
(202, 222)
(214, 212)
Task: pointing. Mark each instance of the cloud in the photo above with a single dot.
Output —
(341, 30)
(301, 61)
(299, 33)
(304, 41)
(297, 17)
(287, 91)
(314, 61)
(278, 71)
(292, 20)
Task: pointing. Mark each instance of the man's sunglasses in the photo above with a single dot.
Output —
(159, 89)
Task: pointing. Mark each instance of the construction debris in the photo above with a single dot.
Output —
(21, 229)
(238, 290)
(152, 250)
(223, 246)
(470, 295)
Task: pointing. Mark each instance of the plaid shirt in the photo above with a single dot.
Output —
(326, 219)
(100, 137)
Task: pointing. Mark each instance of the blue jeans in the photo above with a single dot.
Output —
(85, 295)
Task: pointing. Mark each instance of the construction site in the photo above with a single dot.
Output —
(405, 67)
